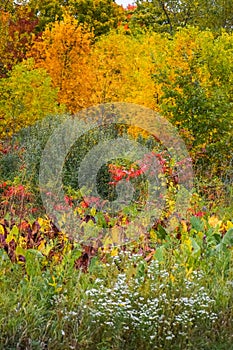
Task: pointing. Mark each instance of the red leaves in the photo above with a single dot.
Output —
(17, 36)
(16, 200)
(200, 214)
(121, 172)
(7, 147)
(84, 204)
(18, 191)
(68, 201)
(92, 201)
(131, 7)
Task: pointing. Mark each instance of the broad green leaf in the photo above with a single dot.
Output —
(228, 237)
(197, 223)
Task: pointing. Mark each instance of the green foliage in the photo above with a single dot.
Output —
(160, 16)
(9, 165)
(99, 16)
(47, 11)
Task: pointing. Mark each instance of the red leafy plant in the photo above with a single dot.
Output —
(16, 200)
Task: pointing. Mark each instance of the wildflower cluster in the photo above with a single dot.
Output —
(152, 305)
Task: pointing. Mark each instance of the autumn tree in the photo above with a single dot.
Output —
(64, 52)
(16, 29)
(123, 67)
(193, 74)
(5, 55)
(26, 95)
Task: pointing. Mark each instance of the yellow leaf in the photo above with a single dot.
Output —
(189, 271)
(172, 277)
(44, 224)
(200, 235)
(93, 211)
(1, 230)
(229, 225)
(187, 245)
(114, 252)
(41, 247)
(13, 234)
(214, 221)
(184, 226)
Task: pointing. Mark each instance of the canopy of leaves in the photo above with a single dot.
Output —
(64, 52)
(123, 69)
(99, 15)
(159, 15)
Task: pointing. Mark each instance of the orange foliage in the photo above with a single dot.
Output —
(64, 52)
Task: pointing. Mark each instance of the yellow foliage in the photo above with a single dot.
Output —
(214, 221)
(187, 245)
(135, 131)
(44, 224)
(175, 57)
(123, 70)
(114, 251)
(26, 96)
(229, 225)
